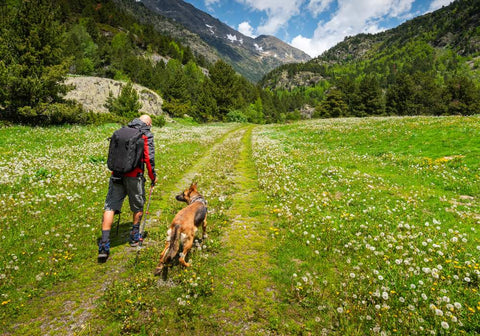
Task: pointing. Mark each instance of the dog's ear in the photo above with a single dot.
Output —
(193, 186)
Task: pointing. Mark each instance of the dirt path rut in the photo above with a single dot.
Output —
(251, 297)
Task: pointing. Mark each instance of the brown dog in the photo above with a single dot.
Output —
(184, 226)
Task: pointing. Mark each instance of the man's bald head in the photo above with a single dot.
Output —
(146, 119)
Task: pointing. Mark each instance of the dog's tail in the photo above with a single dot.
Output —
(174, 244)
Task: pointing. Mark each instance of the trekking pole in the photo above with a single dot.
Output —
(119, 213)
(142, 226)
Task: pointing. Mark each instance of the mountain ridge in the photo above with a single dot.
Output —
(454, 28)
(251, 57)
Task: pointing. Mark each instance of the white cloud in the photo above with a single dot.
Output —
(278, 13)
(209, 3)
(246, 29)
(351, 18)
(318, 6)
(436, 4)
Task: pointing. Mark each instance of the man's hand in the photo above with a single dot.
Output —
(154, 181)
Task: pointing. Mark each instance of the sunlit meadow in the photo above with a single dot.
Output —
(53, 182)
(378, 222)
(374, 225)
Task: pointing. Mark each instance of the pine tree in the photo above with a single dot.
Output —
(400, 96)
(223, 78)
(33, 57)
(370, 95)
(333, 106)
(176, 83)
(461, 96)
(206, 108)
(126, 104)
(80, 45)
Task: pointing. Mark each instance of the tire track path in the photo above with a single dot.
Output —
(250, 295)
(70, 309)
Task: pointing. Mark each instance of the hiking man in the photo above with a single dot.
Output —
(131, 183)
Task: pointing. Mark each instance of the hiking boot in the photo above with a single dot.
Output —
(103, 251)
(135, 236)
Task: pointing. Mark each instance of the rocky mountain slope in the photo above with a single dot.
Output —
(452, 29)
(251, 57)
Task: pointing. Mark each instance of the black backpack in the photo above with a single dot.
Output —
(126, 150)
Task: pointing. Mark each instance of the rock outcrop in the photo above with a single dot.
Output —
(92, 93)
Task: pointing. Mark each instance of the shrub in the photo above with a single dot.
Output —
(51, 114)
(237, 116)
(158, 120)
(126, 104)
(175, 108)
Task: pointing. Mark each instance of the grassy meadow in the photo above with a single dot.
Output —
(341, 227)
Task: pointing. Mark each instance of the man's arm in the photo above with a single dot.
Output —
(149, 156)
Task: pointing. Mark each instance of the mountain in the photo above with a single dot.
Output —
(452, 30)
(251, 57)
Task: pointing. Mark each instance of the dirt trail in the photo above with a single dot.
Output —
(70, 309)
(251, 297)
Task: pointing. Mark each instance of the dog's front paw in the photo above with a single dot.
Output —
(158, 270)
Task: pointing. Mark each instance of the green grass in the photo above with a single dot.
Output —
(345, 227)
(367, 209)
(53, 185)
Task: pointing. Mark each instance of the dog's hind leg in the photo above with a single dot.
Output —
(161, 263)
(187, 245)
(204, 228)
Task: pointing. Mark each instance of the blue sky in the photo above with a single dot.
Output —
(315, 25)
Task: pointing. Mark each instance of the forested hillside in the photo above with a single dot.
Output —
(428, 65)
(42, 42)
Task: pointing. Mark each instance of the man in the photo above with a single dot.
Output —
(131, 184)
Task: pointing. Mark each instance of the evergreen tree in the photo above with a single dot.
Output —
(33, 57)
(399, 98)
(370, 97)
(255, 112)
(333, 106)
(223, 78)
(427, 94)
(80, 45)
(126, 104)
(206, 108)
(349, 90)
(194, 79)
(461, 96)
(176, 82)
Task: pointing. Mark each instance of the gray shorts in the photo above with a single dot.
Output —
(134, 187)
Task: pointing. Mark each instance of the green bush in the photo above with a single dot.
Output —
(295, 115)
(158, 120)
(176, 108)
(237, 116)
(126, 104)
(51, 114)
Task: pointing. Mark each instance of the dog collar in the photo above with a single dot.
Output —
(198, 198)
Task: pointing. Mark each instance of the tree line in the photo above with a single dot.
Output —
(41, 42)
(397, 72)
(415, 79)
